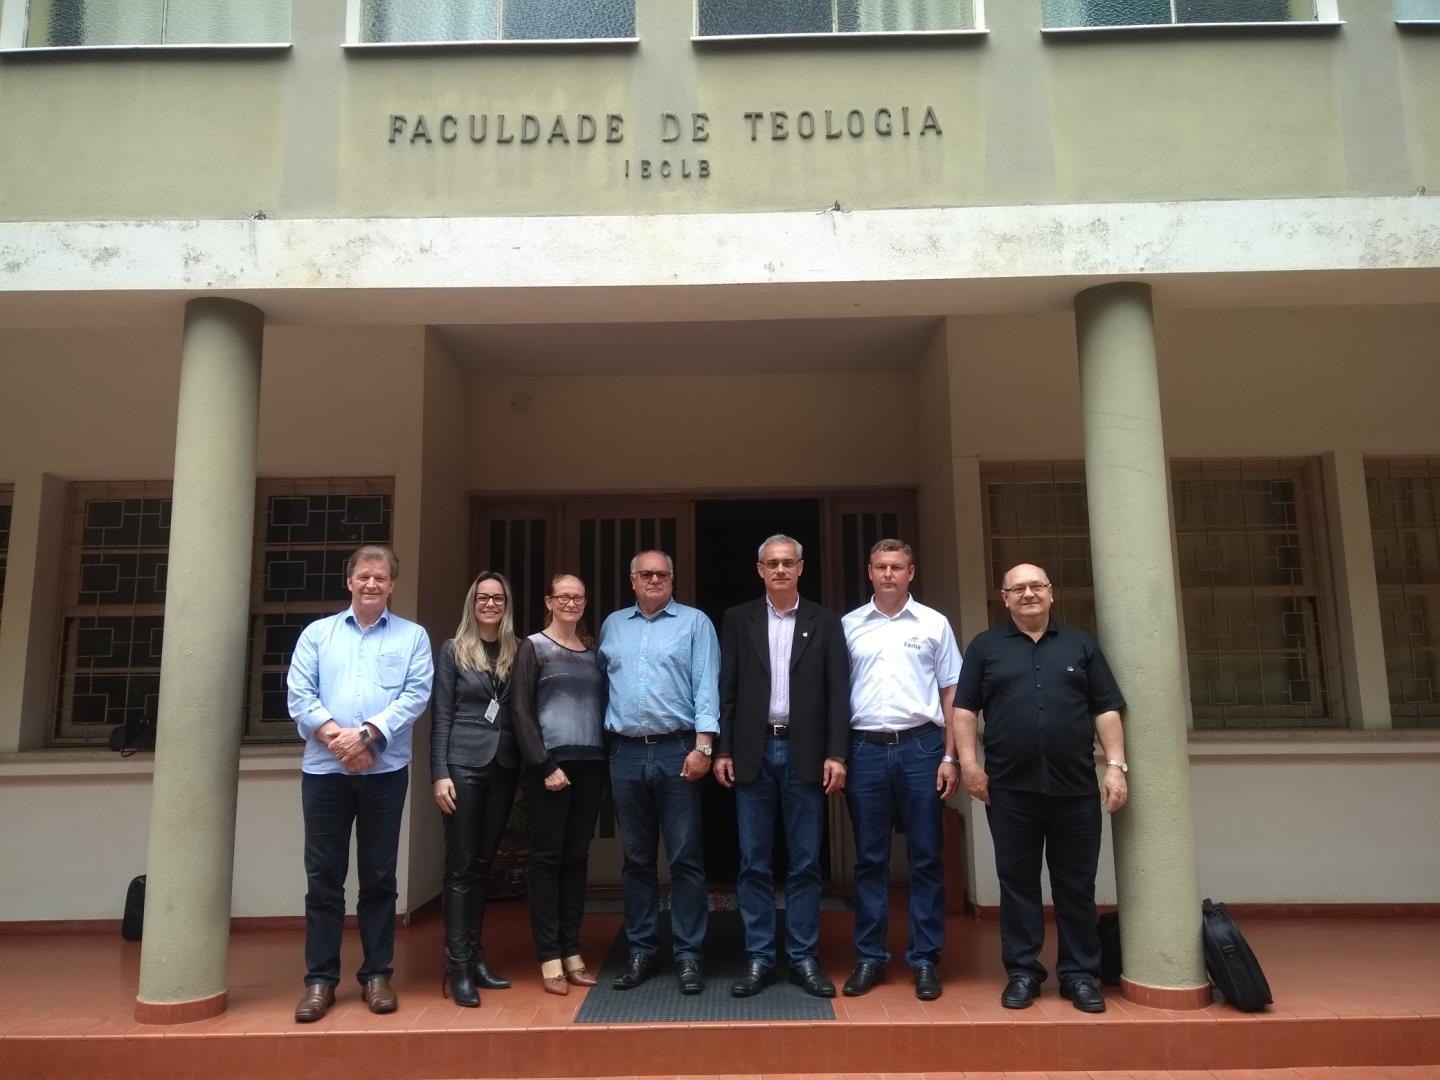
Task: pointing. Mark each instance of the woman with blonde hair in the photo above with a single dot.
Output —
(474, 762)
(559, 696)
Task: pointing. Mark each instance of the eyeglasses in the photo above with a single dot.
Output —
(654, 575)
(568, 600)
(780, 564)
(490, 600)
(1037, 587)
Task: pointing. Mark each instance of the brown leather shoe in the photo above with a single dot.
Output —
(315, 1004)
(580, 976)
(378, 994)
(555, 984)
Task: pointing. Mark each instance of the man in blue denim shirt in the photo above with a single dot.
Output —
(662, 663)
(357, 682)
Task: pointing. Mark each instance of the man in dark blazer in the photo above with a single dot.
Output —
(784, 737)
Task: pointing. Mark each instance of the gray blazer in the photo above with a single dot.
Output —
(459, 732)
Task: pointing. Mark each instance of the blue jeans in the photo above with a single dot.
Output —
(373, 804)
(652, 800)
(776, 791)
(899, 778)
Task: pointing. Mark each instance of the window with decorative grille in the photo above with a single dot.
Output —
(1254, 574)
(1036, 512)
(1404, 497)
(117, 555)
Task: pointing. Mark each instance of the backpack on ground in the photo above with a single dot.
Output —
(133, 924)
(1232, 966)
(1111, 962)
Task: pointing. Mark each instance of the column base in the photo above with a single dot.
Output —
(1165, 997)
(181, 1012)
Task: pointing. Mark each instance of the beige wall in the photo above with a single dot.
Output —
(1283, 382)
(1257, 382)
(1025, 118)
(98, 811)
(935, 504)
(1290, 827)
(101, 404)
(1291, 821)
(692, 432)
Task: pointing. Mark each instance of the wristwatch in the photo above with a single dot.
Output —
(705, 748)
(1119, 765)
(948, 760)
(365, 735)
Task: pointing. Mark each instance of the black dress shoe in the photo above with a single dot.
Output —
(1020, 992)
(866, 974)
(758, 975)
(637, 969)
(927, 981)
(808, 975)
(692, 979)
(487, 979)
(1083, 994)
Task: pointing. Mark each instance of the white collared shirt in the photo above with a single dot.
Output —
(898, 666)
(781, 625)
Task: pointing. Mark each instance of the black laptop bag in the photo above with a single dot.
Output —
(132, 926)
(1232, 966)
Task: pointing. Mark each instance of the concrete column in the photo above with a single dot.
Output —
(207, 607)
(30, 628)
(1138, 613)
(1362, 644)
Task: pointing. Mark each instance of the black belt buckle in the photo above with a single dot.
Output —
(891, 738)
(778, 731)
(652, 740)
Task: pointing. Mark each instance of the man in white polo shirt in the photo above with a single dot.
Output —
(904, 664)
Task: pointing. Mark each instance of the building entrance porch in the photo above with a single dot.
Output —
(1381, 1020)
(713, 540)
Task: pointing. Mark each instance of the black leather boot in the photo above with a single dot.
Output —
(483, 976)
(461, 983)
(459, 948)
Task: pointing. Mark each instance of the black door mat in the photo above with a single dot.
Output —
(659, 999)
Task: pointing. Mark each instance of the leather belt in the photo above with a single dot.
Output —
(651, 740)
(777, 731)
(891, 738)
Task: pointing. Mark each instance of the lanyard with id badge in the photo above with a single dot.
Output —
(492, 711)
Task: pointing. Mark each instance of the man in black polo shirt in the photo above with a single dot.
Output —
(1047, 693)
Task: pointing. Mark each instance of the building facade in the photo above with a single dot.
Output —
(1147, 292)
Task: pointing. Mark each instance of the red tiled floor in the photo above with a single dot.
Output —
(1354, 997)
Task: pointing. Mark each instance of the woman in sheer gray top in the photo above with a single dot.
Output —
(558, 698)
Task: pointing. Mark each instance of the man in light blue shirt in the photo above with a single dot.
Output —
(357, 682)
(662, 662)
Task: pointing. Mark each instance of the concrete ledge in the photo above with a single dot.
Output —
(181, 1012)
(38, 764)
(439, 270)
(1166, 997)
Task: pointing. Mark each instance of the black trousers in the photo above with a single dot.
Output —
(333, 804)
(561, 825)
(483, 797)
(1065, 831)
